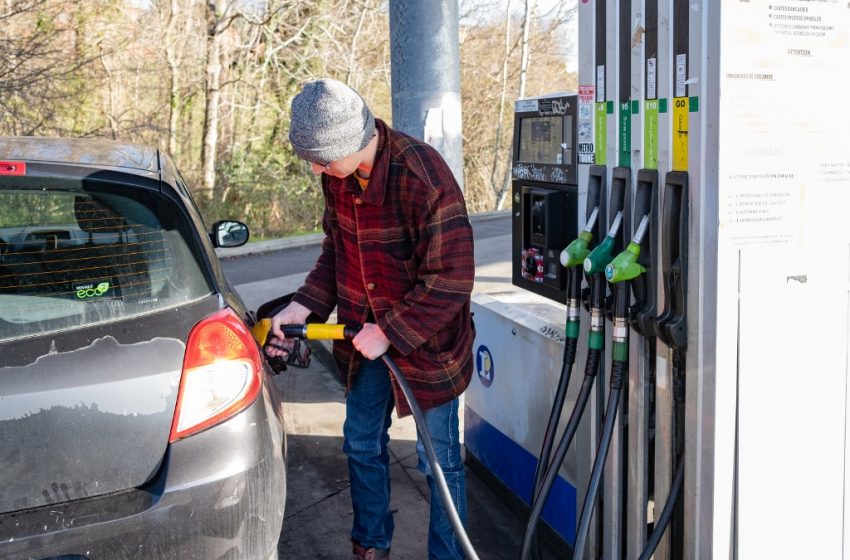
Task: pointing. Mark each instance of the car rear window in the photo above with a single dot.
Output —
(73, 258)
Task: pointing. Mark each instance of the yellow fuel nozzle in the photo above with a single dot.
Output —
(261, 331)
(323, 331)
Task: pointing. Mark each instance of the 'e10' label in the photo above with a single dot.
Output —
(650, 134)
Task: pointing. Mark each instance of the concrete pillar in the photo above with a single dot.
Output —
(425, 58)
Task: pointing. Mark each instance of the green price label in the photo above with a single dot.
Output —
(601, 146)
(650, 134)
(625, 131)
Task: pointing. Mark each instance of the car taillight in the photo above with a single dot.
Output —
(13, 168)
(221, 374)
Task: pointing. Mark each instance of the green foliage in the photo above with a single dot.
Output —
(43, 23)
(270, 190)
(35, 208)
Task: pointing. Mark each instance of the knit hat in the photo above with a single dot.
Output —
(329, 121)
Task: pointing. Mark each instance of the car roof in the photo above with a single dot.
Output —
(90, 152)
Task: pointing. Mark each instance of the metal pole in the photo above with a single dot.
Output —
(425, 60)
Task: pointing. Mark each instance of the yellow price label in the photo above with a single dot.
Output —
(680, 133)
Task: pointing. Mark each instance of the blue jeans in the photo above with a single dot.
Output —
(368, 416)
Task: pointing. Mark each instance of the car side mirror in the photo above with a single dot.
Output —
(229, 233)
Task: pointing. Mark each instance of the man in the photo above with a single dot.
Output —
(397, 258)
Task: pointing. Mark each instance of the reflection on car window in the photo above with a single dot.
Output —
(71, 259)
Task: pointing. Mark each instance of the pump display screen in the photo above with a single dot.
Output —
(541, 140)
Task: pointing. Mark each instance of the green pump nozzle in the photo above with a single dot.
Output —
(625, 265)
(601, 255)
(577, 251)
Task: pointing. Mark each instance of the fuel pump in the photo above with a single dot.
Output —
(545, 192)
(619, 272)
(694, 490)
(594, 266)
(545, 198)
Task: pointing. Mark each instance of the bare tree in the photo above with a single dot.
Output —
(211, 82)
(174, 24)
(526, 53)
(39, 65)
(500, 123)
(523, 74)
(217, 20)
(491, 65)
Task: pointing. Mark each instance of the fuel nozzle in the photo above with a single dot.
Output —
(319, 331)
(601, 255)
(577, 251)
(625, 265)
(295, 353)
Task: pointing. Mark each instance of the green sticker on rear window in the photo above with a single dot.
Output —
(90, 290)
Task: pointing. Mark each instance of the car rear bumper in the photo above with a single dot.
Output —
(217, 494)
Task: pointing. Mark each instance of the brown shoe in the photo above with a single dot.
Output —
(361, 553)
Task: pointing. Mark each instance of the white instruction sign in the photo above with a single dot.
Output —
(784, 162)
(651, 77)
(600, 84)
(526, 106)
(681, 75)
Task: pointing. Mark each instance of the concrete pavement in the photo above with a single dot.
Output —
(318, 516)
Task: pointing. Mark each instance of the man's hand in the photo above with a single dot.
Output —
(371, 341)
(292, 314)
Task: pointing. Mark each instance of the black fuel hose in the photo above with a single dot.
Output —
(666, 513)
(555, 414)
(436, 470)
(618, 371)
(569, 359)
(591, 370)
(554, 418)
(570, 348)
(340, 331)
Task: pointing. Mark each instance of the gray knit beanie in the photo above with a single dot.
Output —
(329, 121)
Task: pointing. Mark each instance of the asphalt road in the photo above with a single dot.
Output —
(295, 260)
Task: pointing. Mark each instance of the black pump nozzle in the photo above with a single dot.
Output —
(672, 323)
(644, 309)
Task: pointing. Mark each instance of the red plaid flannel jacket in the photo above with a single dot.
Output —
(402, 249)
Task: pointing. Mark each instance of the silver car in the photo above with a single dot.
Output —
(137, 415)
